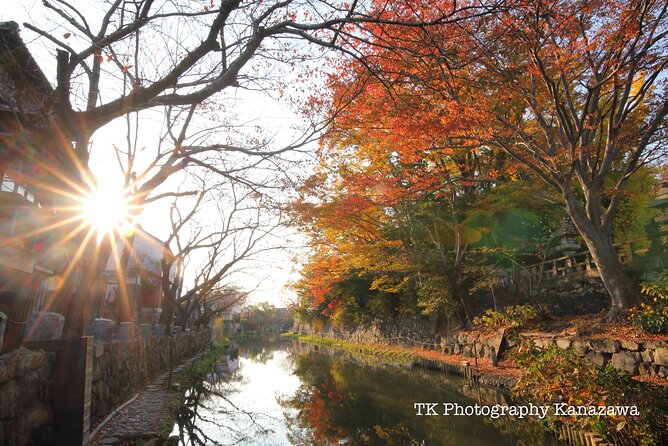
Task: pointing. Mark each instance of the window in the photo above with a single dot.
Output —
(7, 184)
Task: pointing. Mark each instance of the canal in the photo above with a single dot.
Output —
(289, 393)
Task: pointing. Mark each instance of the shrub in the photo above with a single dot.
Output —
(516, 316)
(651, 316)
(554, 375)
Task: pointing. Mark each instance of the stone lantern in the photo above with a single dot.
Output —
(568, 246)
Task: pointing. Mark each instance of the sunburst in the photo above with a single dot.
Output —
(107, 211)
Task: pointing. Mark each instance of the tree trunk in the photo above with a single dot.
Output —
(167, 314)
(464, 298)
(88, 288)
(605, 256)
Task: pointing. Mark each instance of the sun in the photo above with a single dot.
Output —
(107, 211)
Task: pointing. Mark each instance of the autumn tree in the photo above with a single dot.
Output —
(572, 91)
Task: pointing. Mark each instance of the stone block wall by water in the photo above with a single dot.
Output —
(25, 398)
(648, 358)
(635, 357)
(120, 368)
(401, 330)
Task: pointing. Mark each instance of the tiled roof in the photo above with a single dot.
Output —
(23, 86)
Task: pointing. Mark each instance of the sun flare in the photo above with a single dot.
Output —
(106, 211)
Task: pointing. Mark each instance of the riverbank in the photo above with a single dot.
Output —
(549, 374)
(149, 416)
(503, 376)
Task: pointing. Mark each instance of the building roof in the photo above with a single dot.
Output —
(147, 254)
(24, 89)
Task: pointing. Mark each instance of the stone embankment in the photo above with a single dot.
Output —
(637, 357)
(145, 418)
(25, 393)
(120, 368)
(646, 358)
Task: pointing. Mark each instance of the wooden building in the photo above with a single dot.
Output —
(34, 159)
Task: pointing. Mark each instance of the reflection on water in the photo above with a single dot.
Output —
(285, 393)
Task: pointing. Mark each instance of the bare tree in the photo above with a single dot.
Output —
(211, 304)
(119, 57)
(239, 229)
(124, 56)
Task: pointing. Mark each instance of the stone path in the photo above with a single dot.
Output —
(144, 417)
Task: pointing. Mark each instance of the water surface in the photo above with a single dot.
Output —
(289, 393)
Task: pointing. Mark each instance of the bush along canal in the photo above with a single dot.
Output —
(291, 393)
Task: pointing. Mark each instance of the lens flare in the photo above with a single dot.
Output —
(107, 211)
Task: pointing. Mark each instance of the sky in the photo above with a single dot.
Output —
(266, 275)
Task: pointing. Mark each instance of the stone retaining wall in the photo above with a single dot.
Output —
(25, 398)
(120, 368)
(635, 357)
(401, 330)
(468, 344)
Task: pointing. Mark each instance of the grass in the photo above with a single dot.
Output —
(192, 374)
(384, 352)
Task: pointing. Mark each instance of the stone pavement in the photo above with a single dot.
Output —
(144, 418)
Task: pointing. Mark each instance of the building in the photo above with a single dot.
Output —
(136, 294)
(232, 319)
(33, 158)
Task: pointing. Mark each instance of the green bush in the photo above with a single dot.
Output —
(516, 316)
(651, 316)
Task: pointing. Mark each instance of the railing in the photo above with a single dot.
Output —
(583, 263)
(527, 279)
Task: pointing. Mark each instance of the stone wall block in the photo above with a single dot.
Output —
(39, 414)
(542, 343)
(39, 418)
(630, 345)
(647, 355)
(31, 385)
(605, 345)
(563, 343)
(626, 361)
(44, 325)
(598, 358)
(645, 369)
(9, 399)
(27, 360)
(7, 367)
(581, 347)
(653, 345)
(661, 356)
